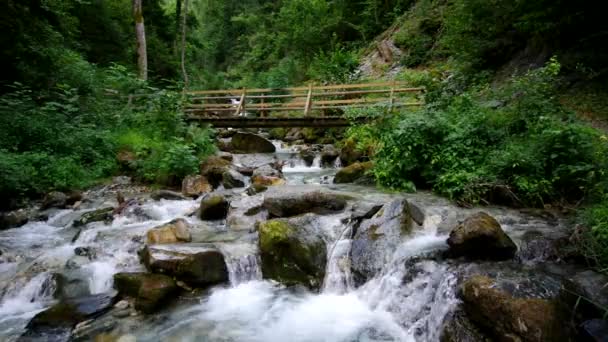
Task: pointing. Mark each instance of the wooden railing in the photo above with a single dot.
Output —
(304, 99)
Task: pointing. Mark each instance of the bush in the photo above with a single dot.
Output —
(594, 239)
(515, 145)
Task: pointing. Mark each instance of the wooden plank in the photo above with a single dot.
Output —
(308, 101)
(302, 89)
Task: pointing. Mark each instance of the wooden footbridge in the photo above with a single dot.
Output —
(310, 106)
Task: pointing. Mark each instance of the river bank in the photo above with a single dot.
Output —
(302, 259)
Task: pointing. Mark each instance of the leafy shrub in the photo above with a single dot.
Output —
(594, 239)
(336, 66)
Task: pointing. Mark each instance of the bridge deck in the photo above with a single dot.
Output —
(242, 122)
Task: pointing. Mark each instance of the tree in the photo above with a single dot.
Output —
(140, 32)
(183, 60)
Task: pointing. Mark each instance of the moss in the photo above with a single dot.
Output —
(352, 172)
(274, 232)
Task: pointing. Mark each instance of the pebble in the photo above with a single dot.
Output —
(123, 304)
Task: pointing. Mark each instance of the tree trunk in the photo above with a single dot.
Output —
(140, 32)
(183, 62)
(178, 22)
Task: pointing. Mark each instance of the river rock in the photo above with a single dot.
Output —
(175, 231)
(254, 189)
(225, 155)
(245, 212)
(292, 253)
(54, 199)
(213, 169)
(329, 155)
(595, 330)
(195, 185)
(377, 238)
(587, 291)
(149, 290)
(213, 207)
(291, 202)
(251, 143)
(13, 219)
(349, 153)
(481, 237)
(98, 215)
(509, 318)
(58, 320)
(458, 328)
(353, 173)
(196, 265)
(233, 179)
(167, 195)
(308, 155)
(266, 175)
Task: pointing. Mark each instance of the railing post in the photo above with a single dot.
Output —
(392, 98)
(308, 100)
(262, 111)
(241, 105)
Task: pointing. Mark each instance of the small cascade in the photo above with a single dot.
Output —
(244, 269)
(30, 298)
(338, 277)
(337, 163)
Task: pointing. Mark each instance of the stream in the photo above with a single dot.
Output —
(407, 299)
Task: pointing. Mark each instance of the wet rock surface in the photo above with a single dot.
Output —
(149, 290)
(213, 207)
(481, 237)
(354, 173)
(295, 201)
(197, 265)
(195, 185)
(175, 231)
(251, 143)
(292, 252)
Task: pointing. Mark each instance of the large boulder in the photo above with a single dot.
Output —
(197, 265)
(353, 173)
(54, 199)
(175, 231)
(377, 238)
(213, 207)
(149, 290)
(481, 237)
(292, 202)
(13, 219)
(233, 179)
(98, 215)
(213, 169)
(308, 155)
(251, 143)
(509, 318)
(167, 195)
(292, 253)
(195, 185)
(58, 320)
(586, 291)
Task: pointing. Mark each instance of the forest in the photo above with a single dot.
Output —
(512, 87)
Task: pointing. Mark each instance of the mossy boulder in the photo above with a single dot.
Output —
(213, 207)
(349, 153)
(308, 155)
(195, 185)
(213, 169)
(175, 231)
(196, 265)
(251, 143)
(508, 318)
(329, 155)
(353, 172)
(54, 199)
(291, 203)
(292, 254)
(481, 237)
(99, 215)
(150, 291)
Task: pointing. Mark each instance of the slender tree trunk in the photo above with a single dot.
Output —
(140, 32)
(178, 22)
(184, 22)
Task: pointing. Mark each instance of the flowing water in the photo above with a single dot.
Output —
(406, 301)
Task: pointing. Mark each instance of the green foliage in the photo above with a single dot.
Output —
(514, 144)
(593, 237)
(334, 67)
